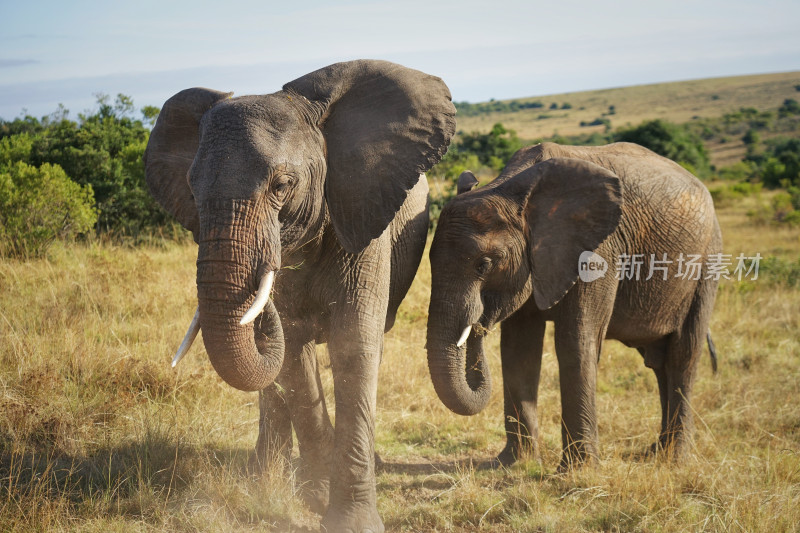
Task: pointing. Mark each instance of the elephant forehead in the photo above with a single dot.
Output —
(486, 215)
(267, 128)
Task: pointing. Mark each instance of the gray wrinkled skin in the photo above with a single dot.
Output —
(508, 253)
(321, 182)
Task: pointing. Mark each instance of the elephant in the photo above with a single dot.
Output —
(318, 191)
(535, 245)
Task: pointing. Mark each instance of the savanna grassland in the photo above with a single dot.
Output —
(98, 433)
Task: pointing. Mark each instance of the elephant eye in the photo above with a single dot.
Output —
(282, 187)
(483, 266)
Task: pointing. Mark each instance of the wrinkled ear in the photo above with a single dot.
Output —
(570, 206)
(384, 125)
(171, 150)
(466, 182)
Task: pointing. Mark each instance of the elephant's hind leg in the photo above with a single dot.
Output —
(305, 397)
(676, 375)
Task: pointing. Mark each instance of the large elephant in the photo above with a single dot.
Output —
(320, 189)
(509, 252)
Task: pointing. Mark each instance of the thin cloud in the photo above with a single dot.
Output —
(11, 63)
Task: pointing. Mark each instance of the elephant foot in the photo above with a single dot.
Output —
(575, 459)
(669, 448)
(505, 458)
(513, 452)
(353, 518)
(316, 495)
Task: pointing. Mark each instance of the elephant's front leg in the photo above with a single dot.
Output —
(355, 346)
(521, 355)
(577, 349)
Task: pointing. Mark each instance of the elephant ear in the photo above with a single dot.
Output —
(570, 206)
(466, 182)
(171, 150)
(384, 125)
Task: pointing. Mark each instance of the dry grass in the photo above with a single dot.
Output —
(97, 433)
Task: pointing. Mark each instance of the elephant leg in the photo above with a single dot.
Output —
(355, 346)
(305, 399)
(521, 341)
(274, 428)
(578, 345)
(676, 376)
(674, 387)
(353, 497)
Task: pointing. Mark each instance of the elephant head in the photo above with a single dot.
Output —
(494, 247)
(256, 177)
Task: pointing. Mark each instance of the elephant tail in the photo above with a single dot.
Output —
(712, 350)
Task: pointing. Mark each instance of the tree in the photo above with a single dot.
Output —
(150, 114)
(105, 151)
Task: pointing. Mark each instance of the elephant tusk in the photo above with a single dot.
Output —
(261, 299)
(463, 338)
(188, 339)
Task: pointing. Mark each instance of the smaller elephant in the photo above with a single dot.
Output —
(540, 244)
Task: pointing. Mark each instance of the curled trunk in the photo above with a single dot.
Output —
(460, 375)
(248, 357)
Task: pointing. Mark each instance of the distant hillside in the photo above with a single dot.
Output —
(545, 116)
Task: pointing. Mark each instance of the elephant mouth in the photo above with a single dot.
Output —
(478, 330)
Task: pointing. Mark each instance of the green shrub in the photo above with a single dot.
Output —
(751, 137)
(794, 194)
(670, 140)
(726, 195)
(466, 109)
(39, 205)
(493, 149)
(780, 271)
(453, 164)
(790, 107)
(597, 122)
(784, 209)
(739, 171)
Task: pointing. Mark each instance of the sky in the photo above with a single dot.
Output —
(57, 52)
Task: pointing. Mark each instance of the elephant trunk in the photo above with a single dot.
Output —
(229, 262)
(460, 374)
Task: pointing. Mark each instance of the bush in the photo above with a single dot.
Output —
(39, 205)
(780, 271)
(466, 109)
(492, 149)
(740, 171)
(751, 137)
(779, 165)
(723, 196)
(783, 209)
(670, 140)
(597, 122)
(789, 107)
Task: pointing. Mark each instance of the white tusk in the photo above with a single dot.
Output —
(261, 299)
(194, 329)
(463, 338)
